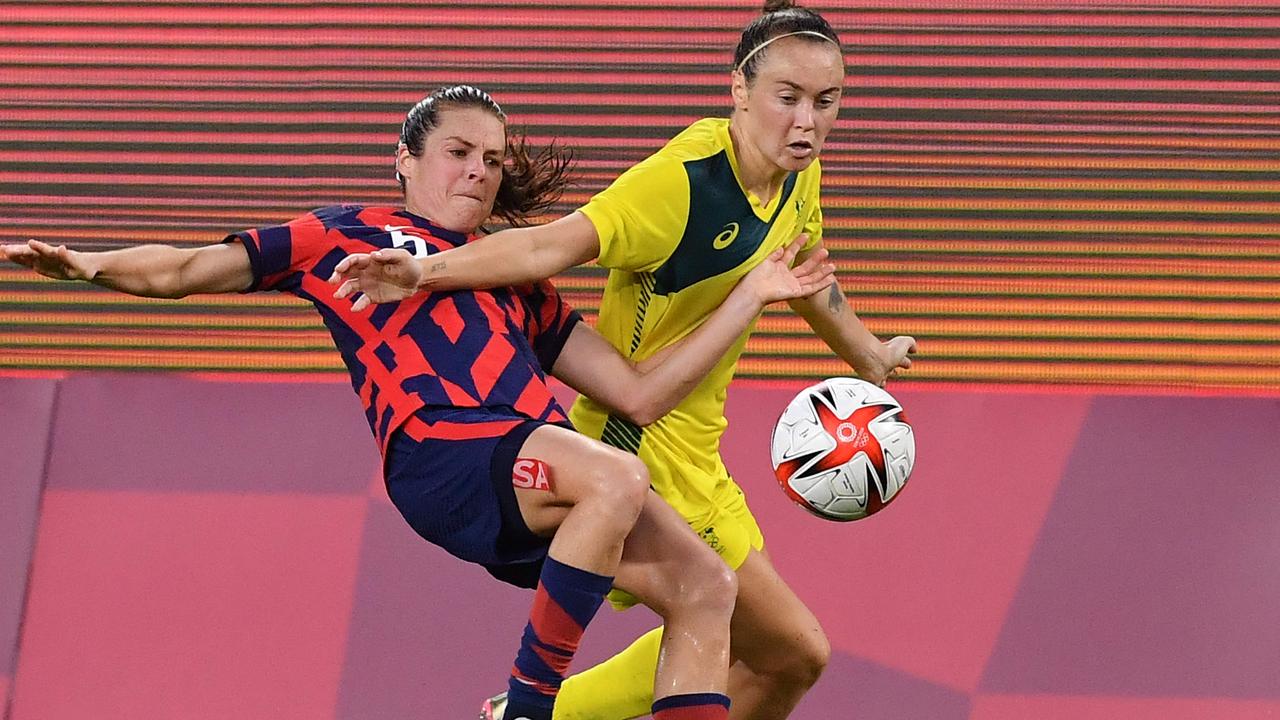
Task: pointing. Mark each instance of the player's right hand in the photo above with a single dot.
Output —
(899, 351)
(381, 276)
(55, 262)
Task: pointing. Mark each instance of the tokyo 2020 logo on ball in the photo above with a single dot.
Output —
(843, 449)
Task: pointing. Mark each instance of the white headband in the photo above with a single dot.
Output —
(762, 45)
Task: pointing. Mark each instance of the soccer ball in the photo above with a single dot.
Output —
(843, 449)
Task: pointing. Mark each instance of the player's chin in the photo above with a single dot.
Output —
(465, 218)
(791, 163)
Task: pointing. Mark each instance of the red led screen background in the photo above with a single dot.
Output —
(1045, 192)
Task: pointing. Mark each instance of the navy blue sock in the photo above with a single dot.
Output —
(565, 601)
(694, 706)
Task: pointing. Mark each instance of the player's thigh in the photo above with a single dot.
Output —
(558, 468)
(664, 563)
(772, 629)
(721, 521)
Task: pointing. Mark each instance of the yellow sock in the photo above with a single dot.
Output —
(618, 688)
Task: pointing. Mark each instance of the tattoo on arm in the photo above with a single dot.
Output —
(438, 266)
(835, 299)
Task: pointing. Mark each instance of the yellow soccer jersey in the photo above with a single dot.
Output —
(677, 232)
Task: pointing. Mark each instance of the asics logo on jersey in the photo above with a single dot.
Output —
(726, 236)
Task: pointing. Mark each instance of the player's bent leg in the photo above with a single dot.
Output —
(673, 572)
(779, 647)
(589, 496)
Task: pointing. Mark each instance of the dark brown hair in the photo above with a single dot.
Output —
(780, 18)
(532, 180)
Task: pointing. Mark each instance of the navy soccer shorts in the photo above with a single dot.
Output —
(449, 473)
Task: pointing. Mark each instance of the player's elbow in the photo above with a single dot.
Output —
(643, 408)
(174, 275)
(172, 285)
(167, 288)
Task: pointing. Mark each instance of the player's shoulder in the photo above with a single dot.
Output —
(663, 172)
(703, 138)
(344, 211)
(360, 220)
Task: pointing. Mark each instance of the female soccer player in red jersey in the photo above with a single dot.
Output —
(479, 457)
(677, 231)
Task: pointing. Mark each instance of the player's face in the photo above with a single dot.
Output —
(455, 180)
(789, 109)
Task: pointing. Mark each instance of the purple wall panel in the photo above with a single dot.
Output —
(1156, 570)
(856, 688)
(428, 633)
(26, 411)
(152, 432)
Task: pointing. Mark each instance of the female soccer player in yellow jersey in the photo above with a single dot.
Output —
(677, 231)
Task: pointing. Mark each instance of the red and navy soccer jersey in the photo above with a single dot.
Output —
(468, 348)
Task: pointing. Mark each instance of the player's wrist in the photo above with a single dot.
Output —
(90, 267)
(427, 274)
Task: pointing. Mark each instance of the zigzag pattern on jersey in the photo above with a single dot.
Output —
(618, 432)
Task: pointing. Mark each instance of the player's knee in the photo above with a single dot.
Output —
(720, 582)
(719, 588)
(808, 658)
(618, 487)
(705, 585)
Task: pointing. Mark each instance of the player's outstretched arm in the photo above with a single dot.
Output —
(646, 391)
(830, 316)
(146, 270)
(510, 257)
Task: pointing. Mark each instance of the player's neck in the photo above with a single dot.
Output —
(758, 174)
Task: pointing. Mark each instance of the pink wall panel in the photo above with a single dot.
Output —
(26, 414)
(250, 587)
(188, 605)
(987, 469)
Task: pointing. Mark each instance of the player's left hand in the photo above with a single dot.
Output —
(57, 262)
(388, 275)
(774, 279)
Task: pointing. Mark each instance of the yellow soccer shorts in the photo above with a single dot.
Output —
(728, 527)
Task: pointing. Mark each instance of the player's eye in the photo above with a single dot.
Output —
(458, 152)
(493, 162)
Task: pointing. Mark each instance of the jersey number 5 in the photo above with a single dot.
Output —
(414, 244)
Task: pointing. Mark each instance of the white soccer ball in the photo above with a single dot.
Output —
(843, 449)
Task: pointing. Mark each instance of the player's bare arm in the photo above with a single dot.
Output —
(831, 318)
(509, 257)
(645, 391)
(158, 271)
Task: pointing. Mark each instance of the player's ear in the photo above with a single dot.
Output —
(738, 89)
(404, 161)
